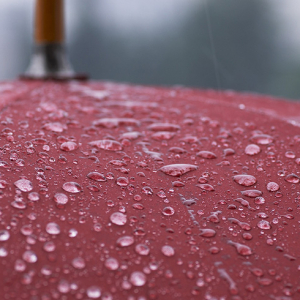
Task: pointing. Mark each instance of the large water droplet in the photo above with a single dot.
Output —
(53, 228)
(138, 278)
(263, 224)
(292, 178)
(122, 181)
(272, 187)
(244, 180)
(207, 154)
(115, 122)
(107, 145)
(55, 127)
(177, 170)
(162, 135)
(4, 235)
(262, 139)
(118, 218)
(125, 241)
(206, 232)
(168, 251)
(163, 127)
(251, 193)
(142, 249)
(93, 292)
(72, 187)
(168, 211)
(241, 248)
(78, 263)
(111, 264)
(60, 199)
(96, 176)
(68, 146)
(24, 185)
(252, 149)
(29, 256)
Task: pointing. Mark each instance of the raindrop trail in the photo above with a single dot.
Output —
(212, 44)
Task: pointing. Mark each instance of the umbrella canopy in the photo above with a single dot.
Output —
(112, 191)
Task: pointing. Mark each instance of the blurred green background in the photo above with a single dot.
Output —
(233, 44)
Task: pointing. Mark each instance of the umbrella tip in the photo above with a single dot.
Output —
(49, 60)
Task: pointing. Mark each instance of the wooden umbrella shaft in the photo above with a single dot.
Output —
(49, 21)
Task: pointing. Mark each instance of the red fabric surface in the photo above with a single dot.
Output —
(163, 163)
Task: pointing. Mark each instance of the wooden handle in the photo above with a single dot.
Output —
(49, 21)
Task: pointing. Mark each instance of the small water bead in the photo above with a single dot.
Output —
(168, 251)
(68, 146)
(177, 150)
(60, 198)
(18, 204)
(24, 185)
(3, 252)
(262, 139)
(53, 228)
(20, 265)
(93, 292)
(118, 218)
(263, 224)
(207, 154)
(78, 263)
(97, 227)
(272, 187)
(73, 232)
(115, 122)
(177, 170)
(125, 241)
(109, 145)
(96, 176)
(297, 161)
(228, 152)
(245, 180)
(111, 264)
(168, 211)
(72, 187)
(26, 230)
(292, 178)
(247, 236)
(63, 287)
(133, 135)
(29, 256)
(49, 246)
(4, 235)
(259, 200)
(142, 249)
(3, 184)
(122, 181)
(138, 278)
(252, 149)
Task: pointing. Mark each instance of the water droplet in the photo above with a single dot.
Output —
(252, 149)
(118, 218)
(207, 154)
(240, 248)
(163, 127)
(63, 286)
(72, 187)
(111, 264)
(115, 122)
(206, 232)
(292, 178)
(55, 127)
(122, 181)
(290, 154)
(228, 152)
(33, 196)
(177, 170)
(68, 146)
(162, 135)
(138, 278)
(263, 224)
(244, 180)
(60, 199)
(73, 232)
(20, 265)
(49, 246)
(96, 176)
(107, 145)
(29, 256)
(251, 193)
(272, 187)
(142, 249)
(206, 187)
(125, 241)
(262, 139)
(78, 263)
(168, 211)
(3, 184)
(4, 235)
(93, 292)
(24, 185)
(168, 251)
(52, 228)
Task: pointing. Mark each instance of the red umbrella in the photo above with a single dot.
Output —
(114, 191)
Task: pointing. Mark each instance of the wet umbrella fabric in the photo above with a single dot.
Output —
(130, 192)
